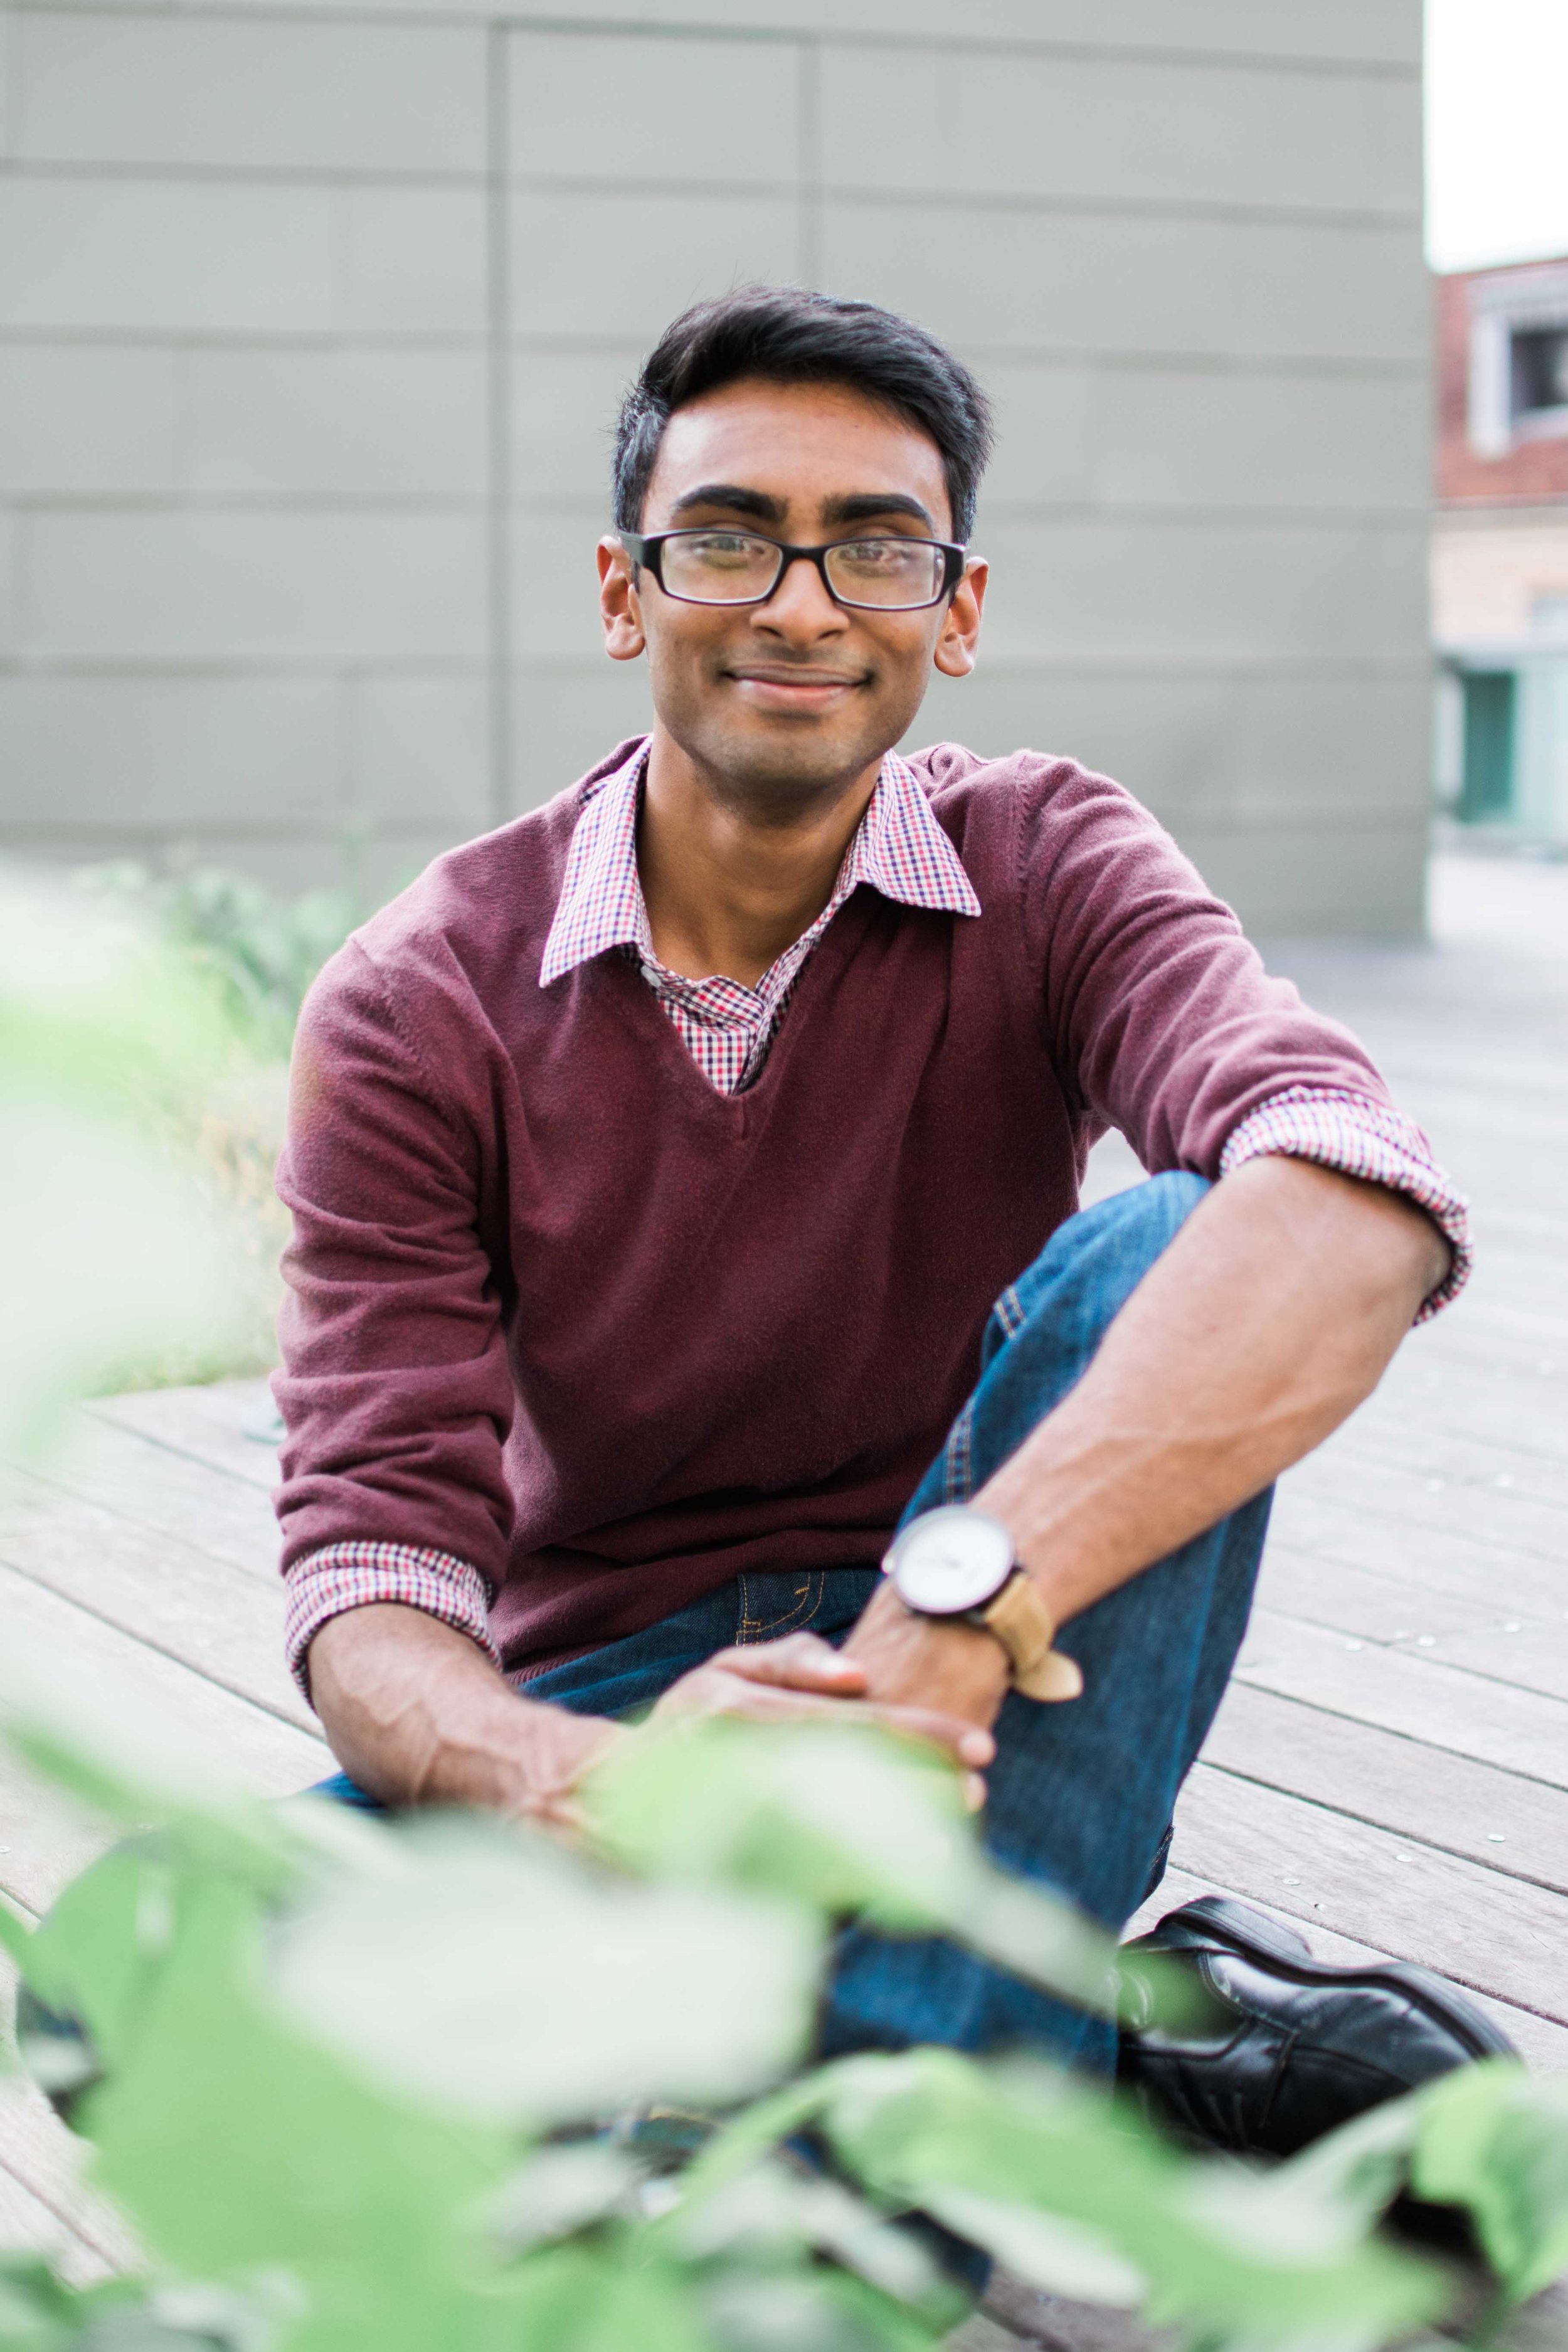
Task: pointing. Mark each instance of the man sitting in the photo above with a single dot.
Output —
(684, 1183)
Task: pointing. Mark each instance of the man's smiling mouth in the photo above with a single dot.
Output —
(779, 681)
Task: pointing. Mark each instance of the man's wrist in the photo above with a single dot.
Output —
(960, 1667)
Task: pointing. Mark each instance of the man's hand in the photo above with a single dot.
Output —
(418, 1716)
(910, 1661)
(802, 1679)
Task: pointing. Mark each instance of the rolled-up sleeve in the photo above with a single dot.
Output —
(327, 1584)
(1373, 1141)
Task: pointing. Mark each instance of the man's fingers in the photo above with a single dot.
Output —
(965, 1740)
(798, 1662)
(717, 1690)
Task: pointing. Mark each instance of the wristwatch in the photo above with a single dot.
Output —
(957, 1562)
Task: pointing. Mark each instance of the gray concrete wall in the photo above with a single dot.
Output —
(313, 317)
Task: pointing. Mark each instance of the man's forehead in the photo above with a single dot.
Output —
(807, 447)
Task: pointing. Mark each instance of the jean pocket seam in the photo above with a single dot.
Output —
(756, 1629)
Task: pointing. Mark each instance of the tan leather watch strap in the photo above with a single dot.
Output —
(1022, 1623)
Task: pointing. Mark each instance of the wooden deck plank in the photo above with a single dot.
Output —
(1519, 1652)
(1494, 1818)
(1342, 1527)
(48, 2162)
(1522, 1477)
(44, 1841)
(174, 1494)
(1398, 1689)
(157, 1588)
(1428, 1499)
(202, 1424)
(30, 2226)
(244, 1741)
(1487, 1637)
(1362, 1600)
(1473, 1397)
(1500, 1935)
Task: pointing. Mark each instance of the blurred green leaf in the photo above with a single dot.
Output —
(118, 1754)
(578, 2300)
(1494, 2141)
(94, 1006)
(808, 2312)
(763, 1806)
(1215, 2243)
(238, 2147)
(1060, 2256)
(777, 2210)
(100, 1949)
(1359, 2169)
(106, 1041)
(16, 1934)
(505, 1979)
(561, 2190)
(35, 2310)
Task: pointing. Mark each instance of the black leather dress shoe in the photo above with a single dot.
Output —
(1294, 2047)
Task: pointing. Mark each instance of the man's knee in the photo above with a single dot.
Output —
(1100, 1257)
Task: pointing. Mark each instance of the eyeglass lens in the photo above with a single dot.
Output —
(731, 567)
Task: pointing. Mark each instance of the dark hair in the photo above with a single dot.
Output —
(788, 335)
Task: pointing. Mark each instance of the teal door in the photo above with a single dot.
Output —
(1487, 793)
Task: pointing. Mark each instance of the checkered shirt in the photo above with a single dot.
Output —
(901, 850)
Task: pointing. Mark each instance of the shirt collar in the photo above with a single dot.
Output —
(899, 849)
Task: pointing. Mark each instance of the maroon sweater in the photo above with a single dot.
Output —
(559, 1308)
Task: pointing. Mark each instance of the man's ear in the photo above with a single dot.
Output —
(620, 606)
(955, 649)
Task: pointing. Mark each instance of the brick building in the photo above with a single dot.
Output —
(1501, 548)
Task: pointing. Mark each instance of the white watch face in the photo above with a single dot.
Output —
(951, 1561)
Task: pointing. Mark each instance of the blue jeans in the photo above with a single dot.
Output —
(1080, 1795)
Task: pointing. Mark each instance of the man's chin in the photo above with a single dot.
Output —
(788, 760)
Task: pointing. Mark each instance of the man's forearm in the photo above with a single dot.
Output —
(416, 1715)
(1272, 1315)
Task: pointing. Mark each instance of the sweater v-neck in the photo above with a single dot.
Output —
(744, 1113)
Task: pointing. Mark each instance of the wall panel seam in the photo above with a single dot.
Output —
(392, 341)
(1002, 46)
(499, 421)
(854, 196)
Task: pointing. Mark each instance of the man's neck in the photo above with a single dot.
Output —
(727, 888)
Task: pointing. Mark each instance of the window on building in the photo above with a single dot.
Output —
(1538, 360)
(1485, 791)
(1519, 357)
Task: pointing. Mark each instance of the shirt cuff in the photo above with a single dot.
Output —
(1365, 1139)
(343, 1576)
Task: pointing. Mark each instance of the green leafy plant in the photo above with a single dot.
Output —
(246, 957)
(389, 2084)
(255, 951)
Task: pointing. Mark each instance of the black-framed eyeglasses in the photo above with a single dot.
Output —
(890, 574)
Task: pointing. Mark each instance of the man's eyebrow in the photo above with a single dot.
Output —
(736, 497)
(866, 505)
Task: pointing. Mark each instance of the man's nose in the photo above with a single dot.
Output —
(800, 606)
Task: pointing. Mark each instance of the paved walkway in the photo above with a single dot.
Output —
(1391, 1767)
